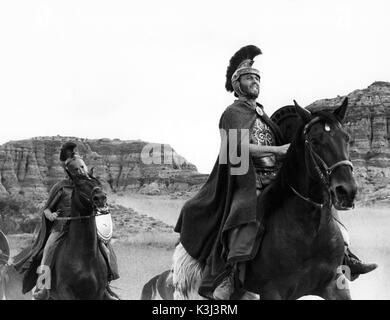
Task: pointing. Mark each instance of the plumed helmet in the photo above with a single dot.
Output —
(73, 164)
(241, 63)
(67, 151)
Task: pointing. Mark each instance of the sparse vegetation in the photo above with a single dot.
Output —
(18, 214)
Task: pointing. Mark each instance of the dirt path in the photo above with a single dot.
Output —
(163, 208)
(137, 265)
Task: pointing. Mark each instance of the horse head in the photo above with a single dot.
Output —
(89, 195)
(327, 153)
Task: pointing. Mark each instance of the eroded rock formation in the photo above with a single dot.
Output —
(30, 167)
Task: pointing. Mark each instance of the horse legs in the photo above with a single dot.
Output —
(3, 279)
(250, 296)
(269, 292)
(164, 285)
(149, 289)
(64, 292)
(338, 289)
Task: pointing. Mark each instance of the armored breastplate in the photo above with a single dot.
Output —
(261, 134)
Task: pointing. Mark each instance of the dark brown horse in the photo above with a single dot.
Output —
(80, 270)
(302, 248)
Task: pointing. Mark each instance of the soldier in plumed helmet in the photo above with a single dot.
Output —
(53, 231)
(220, 226)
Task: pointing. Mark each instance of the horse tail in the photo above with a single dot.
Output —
(187, 275)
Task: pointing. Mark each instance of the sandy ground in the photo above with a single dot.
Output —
(160, 207)
(147, 254)
(137, 265)
(370, 241)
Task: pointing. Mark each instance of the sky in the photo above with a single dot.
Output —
(155, 70)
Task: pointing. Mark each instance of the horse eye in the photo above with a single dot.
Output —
(327, 127)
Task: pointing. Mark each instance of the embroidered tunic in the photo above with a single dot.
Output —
(265, 167)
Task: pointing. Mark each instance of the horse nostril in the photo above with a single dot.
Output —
(341, 191)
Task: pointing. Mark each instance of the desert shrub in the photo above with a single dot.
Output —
(18, 214)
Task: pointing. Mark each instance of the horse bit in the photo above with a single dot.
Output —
(328, 170)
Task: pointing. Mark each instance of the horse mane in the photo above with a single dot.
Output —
(271, 195)
(281, 184)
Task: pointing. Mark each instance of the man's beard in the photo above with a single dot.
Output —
(252, 94)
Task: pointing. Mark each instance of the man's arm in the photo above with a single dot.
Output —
(51, 206)
(261, 151)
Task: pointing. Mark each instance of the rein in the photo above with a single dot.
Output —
(84, 217)
(328, 170)
(316, 204)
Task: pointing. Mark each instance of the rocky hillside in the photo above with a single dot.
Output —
(30, 167)
(368, 122)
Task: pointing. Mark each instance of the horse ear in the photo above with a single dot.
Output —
(342, 110)
(90, 172)
(304, 114)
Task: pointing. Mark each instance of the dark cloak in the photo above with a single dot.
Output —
(30, 258)
(225, 201)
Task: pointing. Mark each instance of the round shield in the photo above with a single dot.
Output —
(288, 121)
(4, 249)
(104, 227)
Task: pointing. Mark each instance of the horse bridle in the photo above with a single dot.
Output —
(96, 212)
(316, 158)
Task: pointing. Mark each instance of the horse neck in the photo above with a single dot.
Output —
(82, 232)
(295, 173)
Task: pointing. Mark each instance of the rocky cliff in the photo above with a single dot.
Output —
(368, 122)
(30, 167)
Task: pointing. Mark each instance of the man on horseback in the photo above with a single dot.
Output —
(53, 231)
(220, 226)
